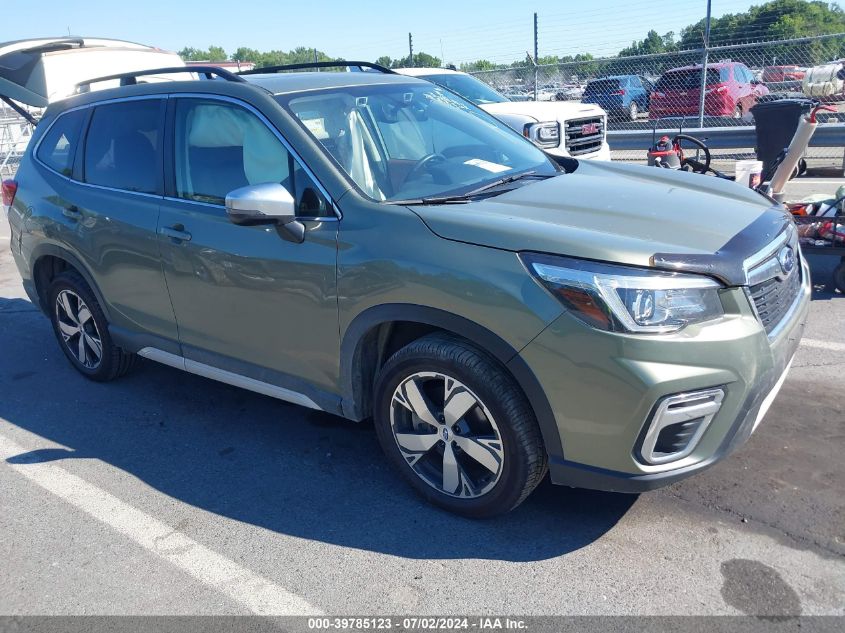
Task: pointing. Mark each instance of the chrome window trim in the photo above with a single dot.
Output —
(335, 209)
(84, 107)
(276, 133)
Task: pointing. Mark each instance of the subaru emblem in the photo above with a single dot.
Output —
(786, 258)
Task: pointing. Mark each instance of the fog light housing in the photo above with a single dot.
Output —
(678, 424)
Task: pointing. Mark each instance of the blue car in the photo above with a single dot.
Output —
(620, 95)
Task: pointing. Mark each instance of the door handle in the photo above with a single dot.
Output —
(72, 212)
(175, 232)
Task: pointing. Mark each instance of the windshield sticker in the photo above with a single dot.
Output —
(494, 168)
(317, 127)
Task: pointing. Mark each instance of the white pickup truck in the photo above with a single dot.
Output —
(558, 127)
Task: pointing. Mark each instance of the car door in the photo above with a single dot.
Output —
(110, 206)
(248, 299)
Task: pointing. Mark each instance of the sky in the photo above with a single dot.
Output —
(457, 30)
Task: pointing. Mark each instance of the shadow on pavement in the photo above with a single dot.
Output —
(821, 272)
(261, 461)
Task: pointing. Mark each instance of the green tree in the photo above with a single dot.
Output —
(421, 60)
(481, 64)
(653, 43)
(244, 54)
(191, 54)
(213, 54)
(216, 54)
(774, 20)
(385, 61)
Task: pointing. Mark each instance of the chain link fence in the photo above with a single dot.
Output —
(15, 133)
(664, 90)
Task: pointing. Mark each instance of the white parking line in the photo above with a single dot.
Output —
(258, 594)
(835, 347)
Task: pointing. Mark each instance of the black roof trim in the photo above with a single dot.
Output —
(306, 65)
(130, 78)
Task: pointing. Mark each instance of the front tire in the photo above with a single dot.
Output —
(458, 428)
(633, 111)
(82, 330)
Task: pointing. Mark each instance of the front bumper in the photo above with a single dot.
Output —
(603, 387)
(603, 153)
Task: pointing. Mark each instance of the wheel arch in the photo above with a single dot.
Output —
(49, 260)
(371, 338)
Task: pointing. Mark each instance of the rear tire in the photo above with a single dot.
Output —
(82, 330)
(469, 440)
(737, 112)
(633, 111)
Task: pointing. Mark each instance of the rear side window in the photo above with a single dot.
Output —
(688, 79)
(602, 86)
(121, 149)
(59, 145)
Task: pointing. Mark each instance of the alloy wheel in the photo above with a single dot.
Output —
(446, 435)
(78, 329)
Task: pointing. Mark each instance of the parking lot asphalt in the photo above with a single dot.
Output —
(167, 493)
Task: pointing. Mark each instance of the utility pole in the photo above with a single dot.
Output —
(410, 51)
(536, 57)
(704, 66)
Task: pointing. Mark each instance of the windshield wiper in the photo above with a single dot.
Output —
(463, 198)
(508, 179)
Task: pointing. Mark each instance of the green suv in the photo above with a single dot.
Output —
(373, 246)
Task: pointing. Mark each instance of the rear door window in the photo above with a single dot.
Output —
(58, 148)
(122, 146)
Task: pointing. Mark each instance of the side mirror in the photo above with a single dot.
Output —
(267, 203)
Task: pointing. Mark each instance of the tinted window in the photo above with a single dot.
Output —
(602, 86)
(221, 147)
(122, 146)
(687, 79)
(59, 145)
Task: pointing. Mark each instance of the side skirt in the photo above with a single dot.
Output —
(221, 375)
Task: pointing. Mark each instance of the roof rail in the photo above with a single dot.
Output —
(63, 43)
(305, 65)
(131, 78)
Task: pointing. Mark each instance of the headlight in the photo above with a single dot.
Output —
(625, 299)
(543, 134)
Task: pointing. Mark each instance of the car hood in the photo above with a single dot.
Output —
(627, 214)
(544, 110)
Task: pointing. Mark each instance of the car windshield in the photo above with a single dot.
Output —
(413, 141)
(468, 87)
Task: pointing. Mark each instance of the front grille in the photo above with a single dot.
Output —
(774, 297)
(577, 141)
